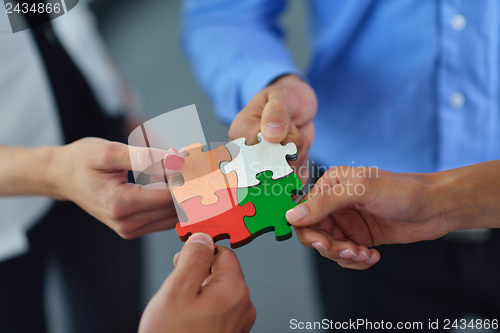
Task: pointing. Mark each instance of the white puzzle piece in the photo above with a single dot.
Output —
(252, 160)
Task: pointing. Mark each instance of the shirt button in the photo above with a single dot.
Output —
(458, 22)
(457, 100)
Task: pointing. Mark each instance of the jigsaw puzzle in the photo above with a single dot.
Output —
(245, 197)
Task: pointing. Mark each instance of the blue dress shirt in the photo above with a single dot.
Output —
(404, 85)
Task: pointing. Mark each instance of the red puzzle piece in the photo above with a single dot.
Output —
(227, 225)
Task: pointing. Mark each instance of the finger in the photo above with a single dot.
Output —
(247, 122)
(298, 139)
(302, 143)
(193, 265)
(346, 253)
(173, 163)
(175, 260)
(354, 263)
(252, 315)
(325, 244)
(327, 195)
(374, 257)
(321, 240)
(363, 254)
(225, 268)
(131, 198)
(307, 131)
(150, 227)
(275, 120)
(227, 279)
(153, 161)
(156, 184)
(132, 207)
(226, 261)
(148, 215)
(116, 156)
(182, 152)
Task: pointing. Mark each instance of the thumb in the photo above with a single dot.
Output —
(193, 264)
(226, 274)
(327, 196)
(275, 120)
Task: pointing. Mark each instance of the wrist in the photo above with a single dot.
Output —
(286, 78)
(49, 182)
(443, 207)
(464, 196)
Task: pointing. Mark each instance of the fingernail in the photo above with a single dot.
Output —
(175, 150)
(203, 239)
(275, 129)
(347, 254)
(362, 256)
(173, 162)
(176, 258)
(296, 214)
(318, 246)
(373, 259)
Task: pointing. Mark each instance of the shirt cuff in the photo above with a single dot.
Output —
(261, 78)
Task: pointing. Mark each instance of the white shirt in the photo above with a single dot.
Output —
(28, 114)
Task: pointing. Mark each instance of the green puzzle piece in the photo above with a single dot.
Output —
(272, 199)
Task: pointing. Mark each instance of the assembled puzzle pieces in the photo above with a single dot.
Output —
(248, 196)
(272, 199)
(255, 159)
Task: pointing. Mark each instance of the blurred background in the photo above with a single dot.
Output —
(143, 37)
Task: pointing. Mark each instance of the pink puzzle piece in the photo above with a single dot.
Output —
(197, 212)
(205, 186)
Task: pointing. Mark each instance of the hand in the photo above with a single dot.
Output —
(283, 112)
(93, 173)
(203, 294)
(351, 209)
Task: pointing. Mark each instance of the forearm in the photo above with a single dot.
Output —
(236, 49)
(24, 171)
(469, 197)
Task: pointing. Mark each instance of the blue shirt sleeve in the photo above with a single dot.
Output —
(236, 49)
